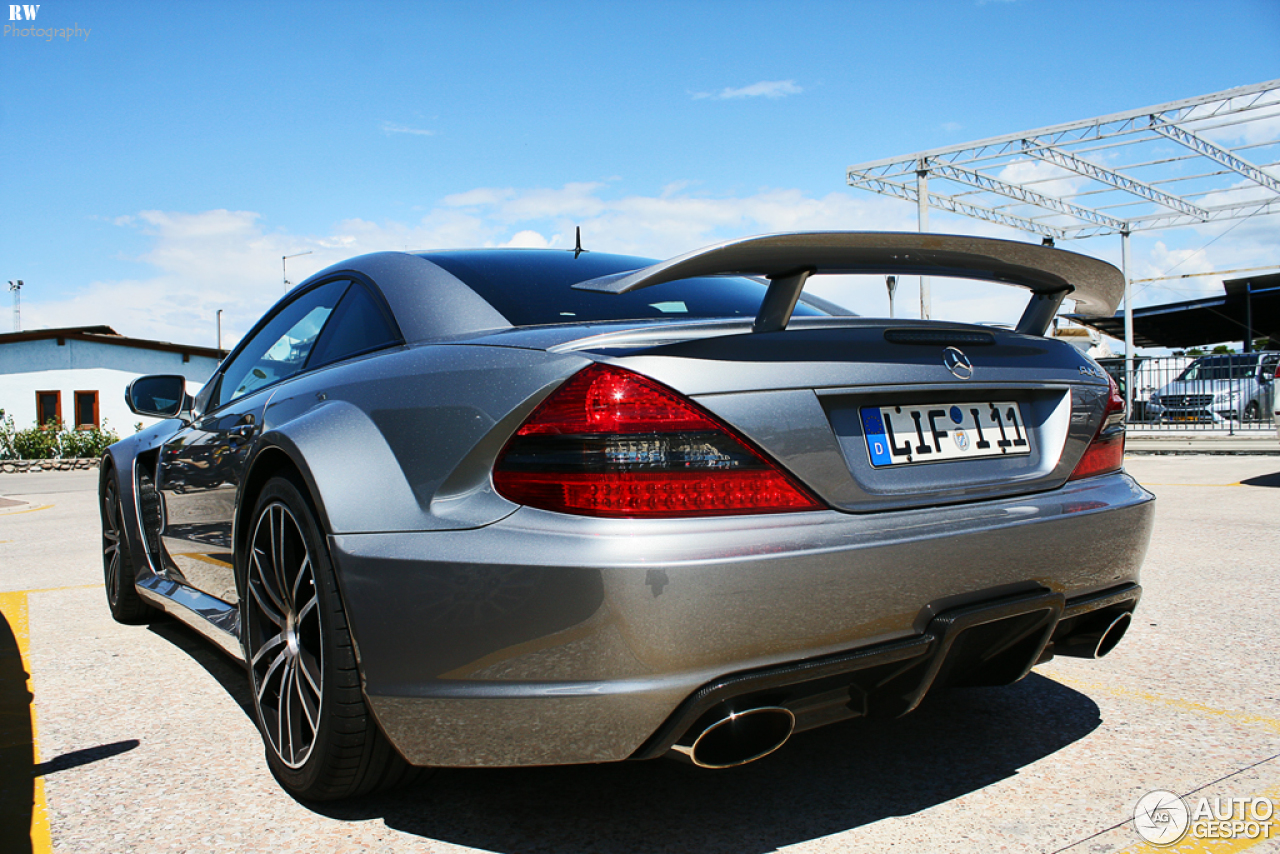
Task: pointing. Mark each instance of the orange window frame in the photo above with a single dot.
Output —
(57, 406)
(92, 423)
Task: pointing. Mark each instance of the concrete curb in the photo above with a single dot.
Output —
(1259, 443)
(23, 466)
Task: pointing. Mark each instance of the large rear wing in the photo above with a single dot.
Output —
(787, 260)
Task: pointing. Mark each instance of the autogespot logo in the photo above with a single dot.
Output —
(1161, 817)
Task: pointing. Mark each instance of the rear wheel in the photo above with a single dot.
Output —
(322, 742)
(118, 568)
(1252, 412)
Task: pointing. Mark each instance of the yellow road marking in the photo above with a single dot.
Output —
(31, 510)
(1193, 845)
(56, 589)
(1200, 709)
(14, 608)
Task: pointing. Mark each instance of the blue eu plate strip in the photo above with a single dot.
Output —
(877, 441)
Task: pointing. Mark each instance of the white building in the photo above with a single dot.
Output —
(78, 375)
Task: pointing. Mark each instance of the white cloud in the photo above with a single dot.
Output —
(200, 262)
(389, 128)
(763, 89)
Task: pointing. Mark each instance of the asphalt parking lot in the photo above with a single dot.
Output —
(142, 739)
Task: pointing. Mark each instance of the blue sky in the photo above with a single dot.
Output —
(157, 167)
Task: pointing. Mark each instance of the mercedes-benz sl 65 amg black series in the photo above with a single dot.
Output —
(525, 507)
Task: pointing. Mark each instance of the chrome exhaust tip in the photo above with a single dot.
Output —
(738, 738)
(1112, 635)
(1098, 642)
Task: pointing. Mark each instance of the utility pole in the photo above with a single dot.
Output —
(17, 304)
(922, 217)
(219, 330)
(285, 270)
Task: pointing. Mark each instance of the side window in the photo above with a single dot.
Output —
(280, 349)
(358, 325)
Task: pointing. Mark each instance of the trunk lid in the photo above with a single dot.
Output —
(800, 396)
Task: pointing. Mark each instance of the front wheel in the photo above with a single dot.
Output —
(118, 569)
(321, 740)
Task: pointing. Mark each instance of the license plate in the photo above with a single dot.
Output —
(925, 433)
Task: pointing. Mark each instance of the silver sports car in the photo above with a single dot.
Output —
(527, 507)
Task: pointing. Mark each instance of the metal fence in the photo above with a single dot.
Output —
(1221, 392)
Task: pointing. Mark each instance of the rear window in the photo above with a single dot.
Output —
(533, 288)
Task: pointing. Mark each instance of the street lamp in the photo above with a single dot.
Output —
(284, 270)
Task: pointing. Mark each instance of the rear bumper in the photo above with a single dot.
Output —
(549, 639)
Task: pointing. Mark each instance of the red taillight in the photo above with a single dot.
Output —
(1106, 452)
(610, 442)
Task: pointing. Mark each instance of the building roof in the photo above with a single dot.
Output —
(1199, 322)
(107, 335)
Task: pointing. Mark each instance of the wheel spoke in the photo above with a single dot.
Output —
(282, 716)
(310, 668)
(310, 706)
(268, 585)
(304, 574)
(306, 609)
(268, 608)
(277, 555)
(276, 641)
(275, 665)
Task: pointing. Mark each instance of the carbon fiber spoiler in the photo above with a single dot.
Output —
(788, 260)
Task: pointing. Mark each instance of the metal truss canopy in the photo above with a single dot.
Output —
(1215, 157)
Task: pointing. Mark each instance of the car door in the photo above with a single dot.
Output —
(200, 469)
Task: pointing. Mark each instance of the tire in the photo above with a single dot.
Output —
(322, 742)
(118, 569)
(1252, 412)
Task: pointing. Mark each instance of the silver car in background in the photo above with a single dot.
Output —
(529, 507)
(1235, 387)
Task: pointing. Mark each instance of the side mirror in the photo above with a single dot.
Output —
(158, 395)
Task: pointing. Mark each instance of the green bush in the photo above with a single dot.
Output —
(53, 441)
(37, 443)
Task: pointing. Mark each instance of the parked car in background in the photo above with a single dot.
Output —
(532, 507)
(1235, 387)
(1149, 374)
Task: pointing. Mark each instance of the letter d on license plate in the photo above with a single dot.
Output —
(925, 433)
